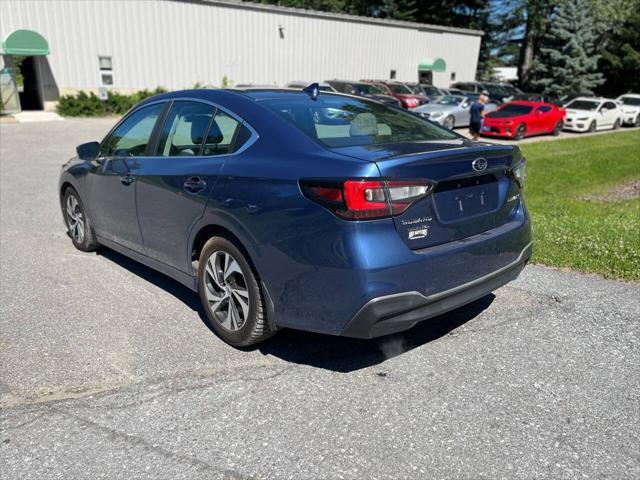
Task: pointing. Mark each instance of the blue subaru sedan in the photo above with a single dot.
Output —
(289, 209)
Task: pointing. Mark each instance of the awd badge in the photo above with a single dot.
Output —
(418, 233)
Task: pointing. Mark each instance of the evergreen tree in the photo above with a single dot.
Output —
(567, 61)
(620, 62)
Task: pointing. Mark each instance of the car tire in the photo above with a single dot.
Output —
(449, 122)
(557, 129)
(616, 124)
(592, 126)
(637, 122)
(231, 295)
(79, 226)
(521, 132)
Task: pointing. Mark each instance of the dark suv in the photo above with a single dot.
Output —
(363, 89)
(497, 94)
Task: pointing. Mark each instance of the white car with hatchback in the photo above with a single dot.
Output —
(588, 114)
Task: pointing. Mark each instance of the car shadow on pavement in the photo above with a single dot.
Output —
(339, 354)
(343, 354)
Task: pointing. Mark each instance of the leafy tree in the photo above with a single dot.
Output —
(399, 10)
(620, 62)
(567, 62)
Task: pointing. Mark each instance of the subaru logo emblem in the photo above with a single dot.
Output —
(479, 164)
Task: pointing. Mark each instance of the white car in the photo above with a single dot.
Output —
(588, 114)
(630, 108)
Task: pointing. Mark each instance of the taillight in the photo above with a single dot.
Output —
(367, 199)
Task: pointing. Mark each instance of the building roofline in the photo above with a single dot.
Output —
(336, 16)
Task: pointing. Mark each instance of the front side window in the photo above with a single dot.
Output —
(184, 129)
(131, 137)
(336, 121)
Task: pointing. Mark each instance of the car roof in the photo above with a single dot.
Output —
(303, 83)
(632, 95)
(593, 99)
(528, 103)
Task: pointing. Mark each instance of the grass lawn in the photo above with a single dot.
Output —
(588, 235)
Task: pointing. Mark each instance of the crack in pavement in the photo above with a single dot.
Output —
(77, 393)
(114, 434)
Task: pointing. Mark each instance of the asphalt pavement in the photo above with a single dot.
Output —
(107, 370)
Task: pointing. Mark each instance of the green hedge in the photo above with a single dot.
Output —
(89, 105)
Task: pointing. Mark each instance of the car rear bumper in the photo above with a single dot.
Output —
(398, 312)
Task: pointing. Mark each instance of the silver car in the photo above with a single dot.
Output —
(450, 111)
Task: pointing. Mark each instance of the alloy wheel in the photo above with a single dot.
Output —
(75, 219)
(226, 291)
(448, 123)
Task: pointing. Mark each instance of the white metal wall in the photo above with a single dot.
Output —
(175, 44)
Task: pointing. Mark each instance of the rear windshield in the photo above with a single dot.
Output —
(512, 110)
(337, 121)
(449, 100)
(496, 90)
(583, 105)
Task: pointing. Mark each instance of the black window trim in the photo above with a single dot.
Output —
(162, 117)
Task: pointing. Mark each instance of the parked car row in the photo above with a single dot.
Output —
(511, 113)
(520, 118)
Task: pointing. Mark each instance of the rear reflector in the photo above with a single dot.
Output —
(367, 199)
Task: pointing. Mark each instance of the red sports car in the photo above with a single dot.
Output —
(520, 118)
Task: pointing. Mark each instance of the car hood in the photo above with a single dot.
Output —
(373, 153)
(501, 115)
(579, 113)
(630, 109)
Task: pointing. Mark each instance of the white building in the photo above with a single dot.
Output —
(505, 74)
(73, 45)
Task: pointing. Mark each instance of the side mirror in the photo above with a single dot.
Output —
(88, 151)
(603, 111)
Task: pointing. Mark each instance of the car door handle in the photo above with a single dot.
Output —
(194, 184)
(127, 179)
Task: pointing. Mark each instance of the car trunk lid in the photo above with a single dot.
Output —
(474, 190)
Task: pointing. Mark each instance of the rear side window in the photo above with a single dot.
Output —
(242, 137)
(544, 109)
(221, 135)
(336, 121)
(184, 129)
(131, 137)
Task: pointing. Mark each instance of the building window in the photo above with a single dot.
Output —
(107, 79)
(106, 70)
(105, 63)
(453, 76)
(392, 75)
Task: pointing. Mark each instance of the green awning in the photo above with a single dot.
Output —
(25, 43)
(433, 64)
